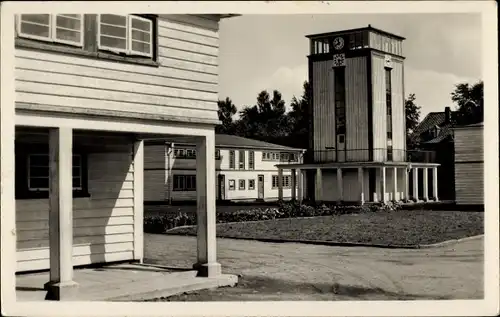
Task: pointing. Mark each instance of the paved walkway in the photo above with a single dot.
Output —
(450, 272)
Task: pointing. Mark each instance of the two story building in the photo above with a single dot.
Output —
(245, 170)
(89, 88)
(357, 135)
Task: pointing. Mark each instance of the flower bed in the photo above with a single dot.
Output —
(162, 223)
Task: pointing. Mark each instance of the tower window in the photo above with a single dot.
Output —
(339, 83)
(388, 98)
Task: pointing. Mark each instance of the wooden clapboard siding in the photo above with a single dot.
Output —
(323, 111)
(469, 166)
(350, 184)
(103, 224)
(356, 105)
(398, 111)
(184, 85)
(155, 172)
(379, 112)
(387, 44)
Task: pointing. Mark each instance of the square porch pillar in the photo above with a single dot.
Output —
(300, 185)
(425, 171)
(395, 192)
(435, 184)
(61, 285)
(415, 184)
(294, 185)
(383, 186)
(280, 184)
(340, 185)
(407, 184)
(361, 185)
(319, 185)
(206, 265)
(138, 164)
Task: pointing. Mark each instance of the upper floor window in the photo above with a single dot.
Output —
(251, 160)
(232, 161)
(58, 28)
(241, 161)
(128, 34)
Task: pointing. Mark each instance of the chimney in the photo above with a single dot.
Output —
(447, 115)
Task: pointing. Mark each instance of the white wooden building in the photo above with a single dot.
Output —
(88, 90)
(357, 144)
(469, 164)
(245, 170)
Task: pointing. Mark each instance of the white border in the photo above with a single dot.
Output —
(488, 306)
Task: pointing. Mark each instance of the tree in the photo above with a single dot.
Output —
(412, 113)
(226, 112)
(469, 101)
(299, 118)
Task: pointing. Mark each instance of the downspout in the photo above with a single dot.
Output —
(170, 147)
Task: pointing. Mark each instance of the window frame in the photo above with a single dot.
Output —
(52, 38)
(232, 159)
(240, 182)
(251, 184)
(241, 159)
(275, 181)
(128, 51)
(179, 179)
(251, 160)
(41, 189)
(233, 186)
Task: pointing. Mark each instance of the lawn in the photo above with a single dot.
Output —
(394, 228)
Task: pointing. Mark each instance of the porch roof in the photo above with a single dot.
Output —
(355, 165)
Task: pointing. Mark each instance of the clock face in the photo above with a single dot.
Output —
(338, 60)
(338, 43)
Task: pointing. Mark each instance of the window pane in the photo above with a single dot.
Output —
(39, 160)
(39, 183)
(114, 19)
(140, 36)
(141, 24)
(113, 42)
(116, 31)
(76, 160)
(36, 18)
(77, 182)
(35, 29)
(68, 35)
(73, 23)
(39, 171)
(76, 171)
(140, 47)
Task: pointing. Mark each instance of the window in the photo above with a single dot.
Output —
(241, 160)
(275, 181)
(185, 153)
(287, 181)
(388, 98)
(241, 184)
(217, 154)
(231, 184)
(251, 184)
(128, 34)
(38, 172)
(59, 28)
(232, 161)
(184, 182)
(251, 160)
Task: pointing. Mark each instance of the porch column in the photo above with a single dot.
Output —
(139, 200)
(383, 184)
(300, 185)
(426, 183)
(395, 192)
(361, 185)
(294, 185)
(61, 285)
(319, 185)
(435, 184)
(340, 185)
(205, 207)
(280, 184)
(415, 184)
(407, 184)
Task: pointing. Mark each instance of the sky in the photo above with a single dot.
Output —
(267, 52)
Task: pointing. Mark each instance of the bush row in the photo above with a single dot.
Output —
(162, 223)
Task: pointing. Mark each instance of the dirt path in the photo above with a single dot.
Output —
(282, 271)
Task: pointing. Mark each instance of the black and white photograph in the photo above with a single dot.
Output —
(295, 158)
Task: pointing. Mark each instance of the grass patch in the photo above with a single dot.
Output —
(397, 228)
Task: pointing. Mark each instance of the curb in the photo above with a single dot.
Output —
(448, 242)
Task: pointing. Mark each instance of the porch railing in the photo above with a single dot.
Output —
(377, 155)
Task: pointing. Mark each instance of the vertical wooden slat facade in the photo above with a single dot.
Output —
(398, 111)
(356, 109)
(469, 165)
(324, 114)
(379, 113)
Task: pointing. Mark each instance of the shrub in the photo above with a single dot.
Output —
(162, 223)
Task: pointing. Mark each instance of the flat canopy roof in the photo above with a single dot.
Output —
(368, 28)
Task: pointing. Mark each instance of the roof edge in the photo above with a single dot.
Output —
(366, 28)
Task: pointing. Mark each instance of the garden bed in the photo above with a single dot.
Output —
(388, 228)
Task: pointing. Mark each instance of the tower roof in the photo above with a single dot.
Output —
(368, 28)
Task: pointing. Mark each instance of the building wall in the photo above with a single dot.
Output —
(469, 165)
(103, 224)
(324, 111)
(398, 111)
(184, 85)
(387, 44)
(158, 182)
(350, 185)
(356, 109)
